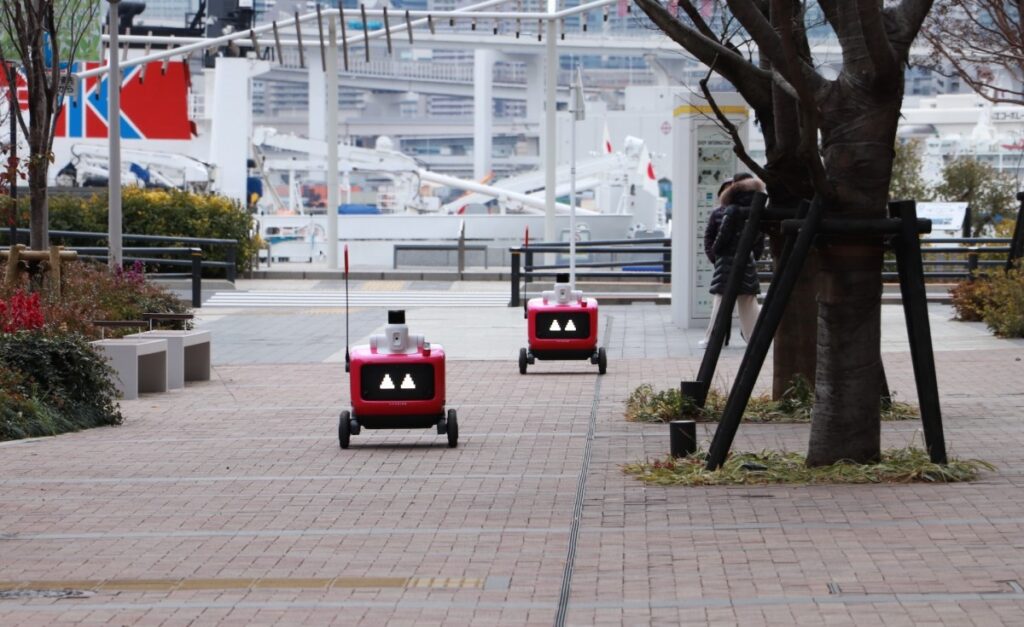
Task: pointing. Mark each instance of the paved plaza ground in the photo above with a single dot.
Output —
(230, 502)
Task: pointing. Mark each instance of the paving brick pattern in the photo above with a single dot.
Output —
(230, 503)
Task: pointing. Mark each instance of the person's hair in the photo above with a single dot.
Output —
(739, 176)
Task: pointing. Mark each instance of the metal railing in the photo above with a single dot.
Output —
(958, 258)
(658, 266)
(190, 256)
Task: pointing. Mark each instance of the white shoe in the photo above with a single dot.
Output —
(702, 344)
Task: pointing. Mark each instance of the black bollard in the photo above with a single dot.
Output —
(682, 437)
(695, 391)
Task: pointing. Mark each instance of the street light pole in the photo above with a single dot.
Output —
(114, 258)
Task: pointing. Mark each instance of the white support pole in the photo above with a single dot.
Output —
(115, 258)
(483, 111)
(291, 190)
(332, 145)
(550, 127)
(231, 130)
(317, 121)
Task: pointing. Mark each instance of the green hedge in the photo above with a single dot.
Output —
(53, 383)
(160, 212)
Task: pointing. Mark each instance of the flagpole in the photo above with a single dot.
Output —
(577, 114)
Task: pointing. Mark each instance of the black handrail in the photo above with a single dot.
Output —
(228, 265)
(525, 270)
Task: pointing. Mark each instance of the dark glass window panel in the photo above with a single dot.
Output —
(562, 326)
(397, 382)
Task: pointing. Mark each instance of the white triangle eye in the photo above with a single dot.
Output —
(569, 326)
(407, 383)
(554, 326)
(386, 383)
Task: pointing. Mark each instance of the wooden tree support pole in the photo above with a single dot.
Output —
(53, 257)
(54, 274)
(13, 257)
(758, 345)
(915, 308)
(722, 323)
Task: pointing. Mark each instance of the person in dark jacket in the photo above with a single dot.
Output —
(720, 240)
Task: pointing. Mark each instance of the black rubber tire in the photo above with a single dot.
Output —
(344, 432)
(602, 361)
(453, 429)
(522, 361)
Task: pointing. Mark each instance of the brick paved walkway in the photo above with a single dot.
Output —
(230, 502)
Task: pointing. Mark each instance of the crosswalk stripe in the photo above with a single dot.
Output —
(409, 298)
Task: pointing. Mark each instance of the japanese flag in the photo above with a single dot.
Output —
(648, 180)
(607, 147)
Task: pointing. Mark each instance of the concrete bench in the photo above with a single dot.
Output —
(188, 354)
(140, 365)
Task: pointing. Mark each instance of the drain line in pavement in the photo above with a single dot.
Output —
(581, 489)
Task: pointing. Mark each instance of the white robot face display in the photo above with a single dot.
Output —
(561, 325)
(397, 382)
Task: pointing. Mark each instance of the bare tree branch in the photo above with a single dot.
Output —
(751, 81)
(880, 51)
(697, 19)
(979, 41)
(806, 97)
(769, 44)
(737, 141)
(908, 18)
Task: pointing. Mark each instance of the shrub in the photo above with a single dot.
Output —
(971, 299)
(20, 312)
(53, 383)
(159, 212)
(90, 291)
(1005, 311)
(645, 404)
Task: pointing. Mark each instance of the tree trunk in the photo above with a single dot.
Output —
(40, 207)
(795, 351)
(796, 346)
(858, 125)
(39, 128)
(845, 422)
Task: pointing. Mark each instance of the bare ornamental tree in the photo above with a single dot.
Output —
(42, 37)
(982, 42)
(833, 137)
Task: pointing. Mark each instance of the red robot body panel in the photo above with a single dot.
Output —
(397, 384)
(558, 328)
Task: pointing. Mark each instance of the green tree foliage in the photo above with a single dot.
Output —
(906, 182)
(990, 194)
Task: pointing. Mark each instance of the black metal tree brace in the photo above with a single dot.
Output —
(910, 267)
(1017, 243)
(721, 327)
(761, 340)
